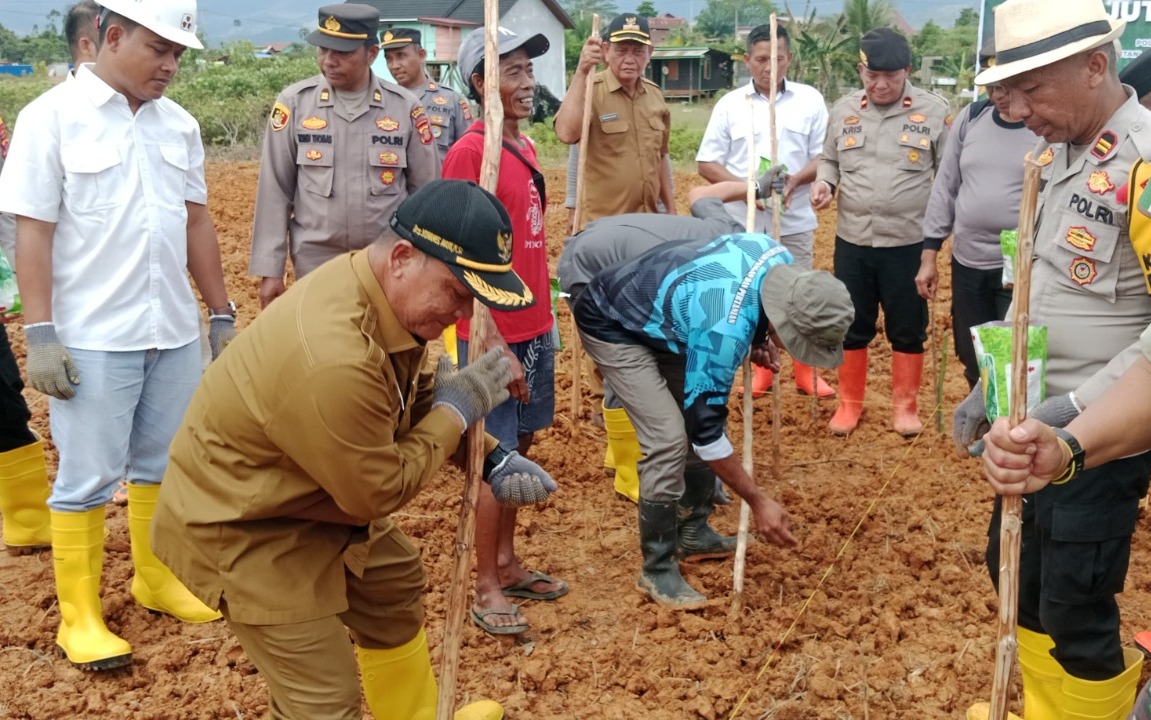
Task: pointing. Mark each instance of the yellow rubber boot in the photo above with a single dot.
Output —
(624, 447)
(1109, 699)
(982, 711)
(78, 557)
(153, 585)
(398, 683)
(24, 499)
(450, 347)
(1042, 676)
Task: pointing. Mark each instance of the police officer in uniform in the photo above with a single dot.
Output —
(883, 146)
(448, 111)
(342, 150)
(1056, 60)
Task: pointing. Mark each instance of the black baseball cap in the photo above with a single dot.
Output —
(629, 26)
(345, 27)
(399, 37)
(884, 50)
(466, 227)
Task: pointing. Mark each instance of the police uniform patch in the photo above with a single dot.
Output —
(904, 138)
(438, 120)
(851, 120)
(314, 123)
(1081, 238)
(280, 116)
(1046, 157)
(924, 143)
(948, 120)
(388, 177)
(440, 100)
(313, 155)
(913, 156)
(387, 124)
(422, 126)
(863, 102)
(1104, 144)
(849, 142)
(916, 117)
(1083, 271)
(466, 109)
(437, 131)
(1099, 183)
(389, 158)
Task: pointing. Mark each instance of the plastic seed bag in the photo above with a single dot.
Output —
(993, 349)
(9, 292)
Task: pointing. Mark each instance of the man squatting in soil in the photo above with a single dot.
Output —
(318, 423)
(1056, 60)
(105, 177)
(668, 331)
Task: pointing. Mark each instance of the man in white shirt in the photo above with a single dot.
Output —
(801, 125)
(105, 177)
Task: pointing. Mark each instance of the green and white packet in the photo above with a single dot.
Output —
(9, 292)
(1008, 242)
(557, 336)
(993, 349)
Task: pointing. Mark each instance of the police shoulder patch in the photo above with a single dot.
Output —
(280, 116)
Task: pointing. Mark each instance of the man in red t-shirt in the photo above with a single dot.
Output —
(525, 334)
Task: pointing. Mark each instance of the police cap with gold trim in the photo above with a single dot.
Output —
(394, 38)
(345, 27)
(468, 229)
(884, 50)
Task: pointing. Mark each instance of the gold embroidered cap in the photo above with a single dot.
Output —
(468, 229)
(629, 26)
(345, 27)
(400, 38)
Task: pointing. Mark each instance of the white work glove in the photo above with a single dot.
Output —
(969, 424)
(49, 365)
(515, 480)
(1055, 411)
(473, 391)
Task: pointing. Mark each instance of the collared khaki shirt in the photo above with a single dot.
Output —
(448, 111)
(329, 183)
(626, 147)
(314, 422)
(883, 160)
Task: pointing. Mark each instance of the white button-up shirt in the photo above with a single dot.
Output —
(801, 118)
(115, 184)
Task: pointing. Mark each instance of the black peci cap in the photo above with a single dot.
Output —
(884, 50)
(345, 27)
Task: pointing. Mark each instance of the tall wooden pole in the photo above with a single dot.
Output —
(776, 233)
(465, 532)
(1011, 520)
(577, 225)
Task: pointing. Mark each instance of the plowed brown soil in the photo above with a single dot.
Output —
(884, 611)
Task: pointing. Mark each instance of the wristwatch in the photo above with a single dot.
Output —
(229, 309)
(1078, 457)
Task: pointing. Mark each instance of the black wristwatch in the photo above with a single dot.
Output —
(1078, 457)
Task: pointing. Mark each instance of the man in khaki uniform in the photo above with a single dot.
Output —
(321, 419)
(449, 112)
(628, 167)
(883, 146)
(342, 150)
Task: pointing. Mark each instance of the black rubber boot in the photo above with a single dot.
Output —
(660, 577)
(697, 539)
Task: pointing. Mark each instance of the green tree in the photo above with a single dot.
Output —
(968, 17)
(581, 11)
(647, 9)
(719, 18)
(825, 54)
(864, 15)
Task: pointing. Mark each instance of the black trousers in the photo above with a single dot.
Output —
(883, 277)
(1075, 549)
(977, 296)
(14, 413)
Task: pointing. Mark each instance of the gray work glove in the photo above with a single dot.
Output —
(473, 391)
(970, 421)
(772, 181)
(50, 367)
(519, 481)
(221, 331)
(1055, 411)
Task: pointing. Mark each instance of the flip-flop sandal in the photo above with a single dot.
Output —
(522, 588)
(479, 615)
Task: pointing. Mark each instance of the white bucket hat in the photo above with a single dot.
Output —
(173, 20)
(1032, 33)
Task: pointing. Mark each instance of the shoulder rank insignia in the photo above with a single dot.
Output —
(949, 119)
(388, 177)
(423, 127)
(313, 155)
(917, 117)
(1099, 183)
(913, 155)
(440, 100)
(851, 120)
(1083, 271)
(1081, 238)
(432, 86)
(466, 109)
(325, 96)
(280, 116)
(314, 123)
(1104, 145)
(389, 158)
(378, 96)
(387, 124)
(863, 103)
(907, 101)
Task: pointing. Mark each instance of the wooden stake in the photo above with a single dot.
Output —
(465, 531)
(577, 225)
(776, 230)
(1011, 520)
(936, 380)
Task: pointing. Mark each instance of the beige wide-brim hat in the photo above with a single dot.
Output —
(1032, 33)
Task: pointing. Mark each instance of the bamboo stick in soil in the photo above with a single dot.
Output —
(481, 320)
(577, 225)
(1011, 517)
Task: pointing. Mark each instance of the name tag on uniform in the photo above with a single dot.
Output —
(609, 117)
